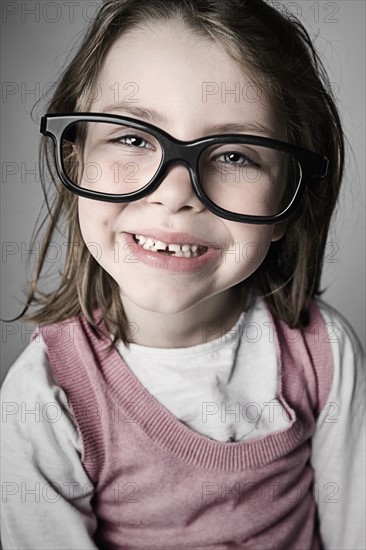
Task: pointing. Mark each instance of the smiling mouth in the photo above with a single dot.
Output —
(170, 249)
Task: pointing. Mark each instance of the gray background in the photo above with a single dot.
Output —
(37, 38)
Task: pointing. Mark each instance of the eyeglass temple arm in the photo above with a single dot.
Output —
(324, 167)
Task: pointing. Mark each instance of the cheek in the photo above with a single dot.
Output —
(95, 216)
(257, 245)
(97, 220)
(249, 247)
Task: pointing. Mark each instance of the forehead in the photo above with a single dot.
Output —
(179, 81)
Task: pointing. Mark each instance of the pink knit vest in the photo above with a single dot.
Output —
(160, 485)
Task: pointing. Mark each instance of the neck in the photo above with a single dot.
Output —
(204, 322)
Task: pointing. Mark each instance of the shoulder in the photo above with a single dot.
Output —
(44, 480)
(338, 444)
(348, 382)
(31, 372)
(30, 388)
(341, 334)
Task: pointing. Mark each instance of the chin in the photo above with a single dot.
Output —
(161, 301)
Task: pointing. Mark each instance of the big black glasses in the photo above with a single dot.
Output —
(242, 178)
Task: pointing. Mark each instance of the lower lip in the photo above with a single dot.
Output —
(166, 262)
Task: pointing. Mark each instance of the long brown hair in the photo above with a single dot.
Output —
(274, 46)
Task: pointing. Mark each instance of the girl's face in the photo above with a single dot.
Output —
(188, 87)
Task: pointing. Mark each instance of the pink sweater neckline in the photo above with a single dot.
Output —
(135, 404)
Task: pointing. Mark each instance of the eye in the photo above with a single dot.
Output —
(133, 141)
(233, 157)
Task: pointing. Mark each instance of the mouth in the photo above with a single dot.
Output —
(183, 250)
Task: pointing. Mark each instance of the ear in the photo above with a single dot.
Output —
(279, 231)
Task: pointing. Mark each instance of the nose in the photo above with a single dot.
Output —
(175, 192)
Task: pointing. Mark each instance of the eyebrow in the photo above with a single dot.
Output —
(138, 112)
(153, 116)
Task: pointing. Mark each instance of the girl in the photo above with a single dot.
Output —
(188, 387)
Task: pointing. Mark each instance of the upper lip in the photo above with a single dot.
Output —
(174, 238)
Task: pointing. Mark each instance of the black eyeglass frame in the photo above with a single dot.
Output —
(312, 165)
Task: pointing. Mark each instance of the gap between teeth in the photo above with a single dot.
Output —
(185, 250)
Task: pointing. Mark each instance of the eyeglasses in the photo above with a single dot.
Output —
(242, 178)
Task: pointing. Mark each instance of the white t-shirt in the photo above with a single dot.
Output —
(224, 389)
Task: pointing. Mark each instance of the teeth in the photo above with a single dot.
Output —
(174, 247)
(160, 246)
(180, 251)
(141, 239)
